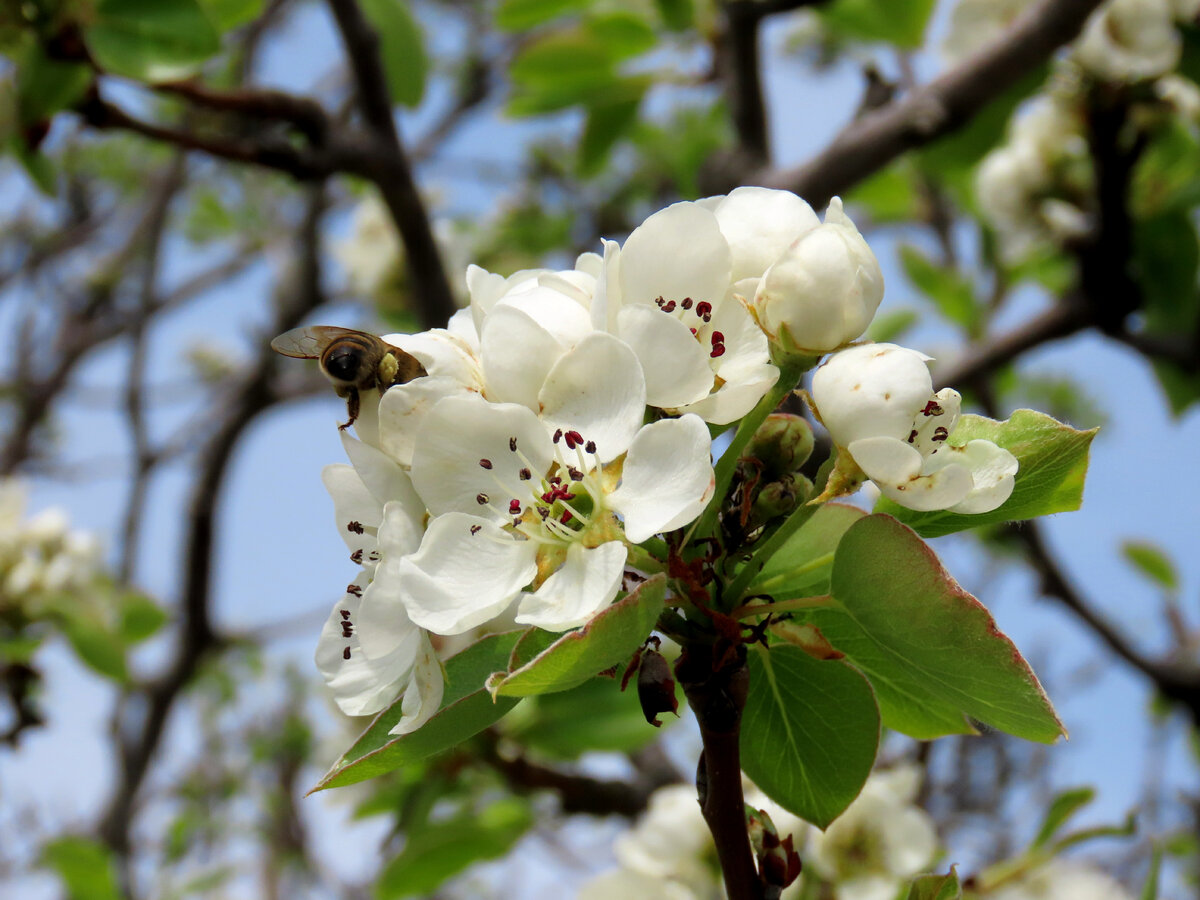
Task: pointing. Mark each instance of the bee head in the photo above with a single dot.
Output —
(343, 361)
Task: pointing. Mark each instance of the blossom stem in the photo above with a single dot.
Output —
(737, 587)
(789, 376)
(644, 561)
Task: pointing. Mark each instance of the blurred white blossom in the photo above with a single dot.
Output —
(1063, 880)
(1130, 40)
(41, 556)
(976, 23)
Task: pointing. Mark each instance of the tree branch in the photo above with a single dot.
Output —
(940, 107)
(434, 299)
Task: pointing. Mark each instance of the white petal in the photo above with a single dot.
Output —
(760, 224)
(486, 288)
(606, 301)
(517, 353)
(678, 252)
(401, 530)
(745, 343)
(676, 365)
(424, 693)
(461, 432)
(599, 390)
(583, 585)
(441, 352)
(459, 578)
(462, 326)
(896, 466)
(366, 426)
(380, 473)
(589, 263)
(736, 397)
(404, 407)
(361, 685)
(667, 478)
(993, 470)
(354, 507)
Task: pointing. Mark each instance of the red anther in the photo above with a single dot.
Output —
(686, 302)
(475, 529)
(514, 506)
(575, 474)
(555, 479)
(512, 444)
(354, 527)
(543, 512)
(485, 464)
(557, 436)
(346, 653)
(717, 338)
(590, 446)
(574, 439)
(565, 517)
(345, 612)
(524, 474)
(932, 408)
(703, 308)
(940, 433)
(658, 301)
(548, 497)
(717, 350)
(481, 498)
(693, 331)
(669, 306)
(912, 435)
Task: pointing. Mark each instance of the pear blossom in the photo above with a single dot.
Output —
(881, 840)
(823, 291)
(369, 650)
(976, 23)
(1064, 880)
(1130, 40)
(40, 555)
(877, 402)
(514, 507)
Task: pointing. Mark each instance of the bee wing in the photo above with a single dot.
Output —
(308, 343)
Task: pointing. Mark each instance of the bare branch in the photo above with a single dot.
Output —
(940, 107)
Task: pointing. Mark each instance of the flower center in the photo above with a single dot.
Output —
(561, 502)
(685, 310)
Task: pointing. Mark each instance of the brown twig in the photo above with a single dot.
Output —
(945, 104)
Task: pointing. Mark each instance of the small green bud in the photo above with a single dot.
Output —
(781, 445)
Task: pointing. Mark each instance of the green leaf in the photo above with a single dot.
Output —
(519, 15)
(1150, 885)
(888, 195)
(802, 566)
(1062, 807)
(810, 731)
(901, 24)
(1053, 461)
(1164, 179)
(931, 651)
(1151, 561)
(230, 14)
(890, 326)
(951, 292)
(46, 86)
(402, 46)
(96, 645)
(568, 57)
(677, 15)
(141, 617)
(551, 723)
(466, 709)
(935, 887)
(85, 867)
(607, 123)
(623, 33)
(440, 850)
(610, 638)
(159, 41)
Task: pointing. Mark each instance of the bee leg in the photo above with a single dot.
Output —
(351, 408)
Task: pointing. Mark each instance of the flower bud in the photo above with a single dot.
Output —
(821, 293)
(782, 444)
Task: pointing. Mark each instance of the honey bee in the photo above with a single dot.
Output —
(352, 360)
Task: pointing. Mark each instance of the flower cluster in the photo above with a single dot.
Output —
(40, 557)
(565, 418)
(881, 840)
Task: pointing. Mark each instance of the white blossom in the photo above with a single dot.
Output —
(823, 291)
(881, 840)
(976, 23)
(1130, 40)
(41, 555)
(877, 402)
(514, 507)
(1063, 880)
